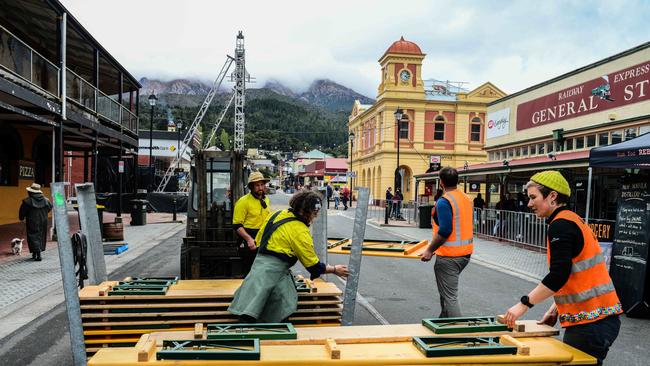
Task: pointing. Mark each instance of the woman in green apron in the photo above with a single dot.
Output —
(268, 293)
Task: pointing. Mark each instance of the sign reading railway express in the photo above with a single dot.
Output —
(617, 89)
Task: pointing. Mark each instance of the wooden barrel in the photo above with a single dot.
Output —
(113, 231)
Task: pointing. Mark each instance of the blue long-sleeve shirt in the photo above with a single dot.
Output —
(443, 217)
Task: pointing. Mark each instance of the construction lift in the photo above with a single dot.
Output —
(217, 180)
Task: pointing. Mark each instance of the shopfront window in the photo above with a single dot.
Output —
(540, 149)
(517, 152)
(603, 139)
(591, 140)
(550, 147)
(630, 133)
(580, 142)
(569, 145)
(524, 151)
(617, 136)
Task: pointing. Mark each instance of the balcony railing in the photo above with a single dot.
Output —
(21, 60)
(86, 95)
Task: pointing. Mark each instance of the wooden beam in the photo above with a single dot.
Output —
(522, 348)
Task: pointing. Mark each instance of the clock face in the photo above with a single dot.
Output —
(404, 75)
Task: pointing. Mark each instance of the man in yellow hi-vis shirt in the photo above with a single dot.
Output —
(250, 212)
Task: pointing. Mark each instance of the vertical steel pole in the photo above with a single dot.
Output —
(68, 275)
(354, 265)
(151, 174)
(319, 232)
(90, 227)
(588, 195)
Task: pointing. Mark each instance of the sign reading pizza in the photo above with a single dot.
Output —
(617, 89)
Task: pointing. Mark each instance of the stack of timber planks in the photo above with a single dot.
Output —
(120, 320)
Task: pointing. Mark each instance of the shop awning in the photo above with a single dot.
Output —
(480, 172)
(634, 153)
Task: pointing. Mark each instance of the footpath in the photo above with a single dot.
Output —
(29, 289)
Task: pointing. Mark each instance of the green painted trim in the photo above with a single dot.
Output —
(467, 346)
(249, 331)
(478, 324)
(221, 349)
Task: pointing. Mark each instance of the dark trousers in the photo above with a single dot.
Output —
(247, 256)
(594, 338)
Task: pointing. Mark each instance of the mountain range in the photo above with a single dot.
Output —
(323, 93)
(277, 117)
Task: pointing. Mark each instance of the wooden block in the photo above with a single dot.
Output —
(522, 348)
(103, 291)
(332, 349)
(519, 326)
(145, 347)
(198, 331)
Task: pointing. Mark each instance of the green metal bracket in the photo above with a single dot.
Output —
(142, 284)
(172, 279)
(463, 346)
(137, 290)
(337, 243)
(478, 324)
(221, 349)
(248, 331)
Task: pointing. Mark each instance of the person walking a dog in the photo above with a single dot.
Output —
(33, 211)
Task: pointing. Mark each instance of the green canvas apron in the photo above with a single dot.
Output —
(268, 292)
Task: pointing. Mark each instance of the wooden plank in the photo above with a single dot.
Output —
(148, 305)
(416, 247)
(332, 349)
(195, 289)
(522, 348)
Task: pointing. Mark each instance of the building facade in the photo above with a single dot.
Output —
(554, 125)
(62, 97)
(442, 122)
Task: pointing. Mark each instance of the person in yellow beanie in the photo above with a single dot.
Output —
(585, 300)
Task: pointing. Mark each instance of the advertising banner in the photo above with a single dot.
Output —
(617, 89)
(498, 123)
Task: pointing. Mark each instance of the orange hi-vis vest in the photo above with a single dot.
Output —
(589, 294)
(461, 240)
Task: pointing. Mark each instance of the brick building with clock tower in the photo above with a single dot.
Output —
(440, 121)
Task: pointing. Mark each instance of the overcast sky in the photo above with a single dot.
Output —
(513, 44)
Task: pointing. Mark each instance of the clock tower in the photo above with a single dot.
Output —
(401, 71)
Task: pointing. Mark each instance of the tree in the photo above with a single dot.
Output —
(225, 140)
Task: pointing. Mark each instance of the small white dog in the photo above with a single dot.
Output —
(17, 246)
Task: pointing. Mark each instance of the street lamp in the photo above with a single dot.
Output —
(398, 118)
(179, 127)
(351, 136)
(152, 102)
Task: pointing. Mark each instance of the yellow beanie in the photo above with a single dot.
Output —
(554, 180)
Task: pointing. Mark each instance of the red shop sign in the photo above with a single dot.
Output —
(617, 89)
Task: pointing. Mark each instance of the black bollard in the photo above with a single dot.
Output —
(174, 211)
(386, 213)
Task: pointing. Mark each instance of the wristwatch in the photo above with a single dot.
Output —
(526, 301)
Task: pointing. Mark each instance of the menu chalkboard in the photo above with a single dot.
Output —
(630, 250)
